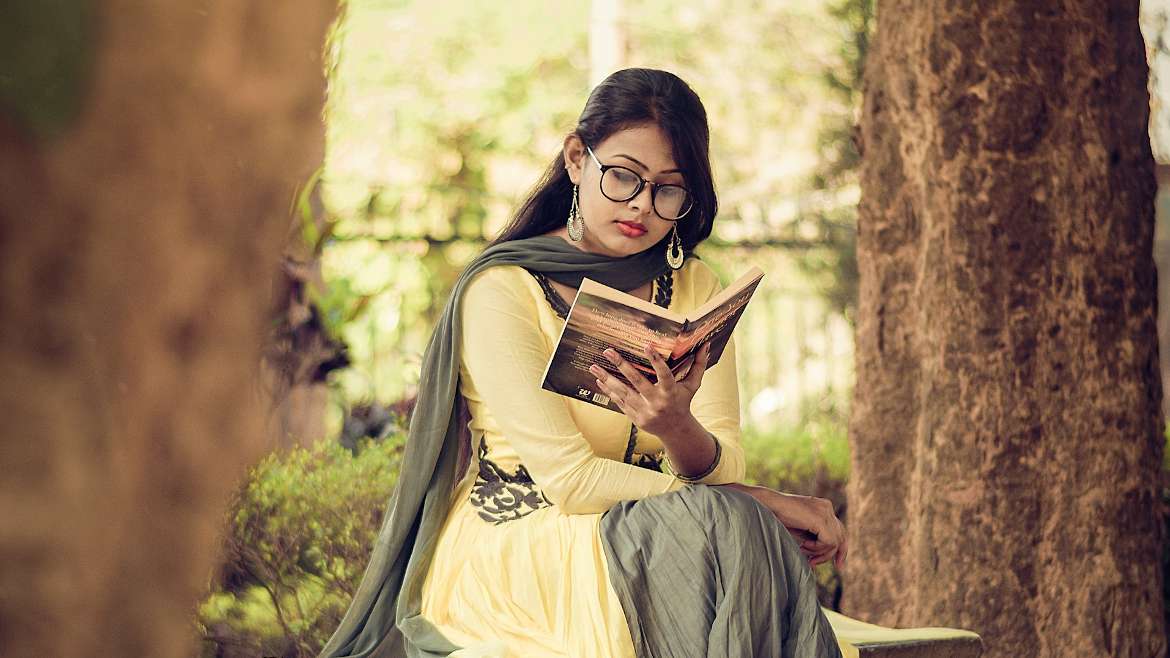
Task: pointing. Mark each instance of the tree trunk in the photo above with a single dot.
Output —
(301, 351)
(147, 177)
(1006, 426)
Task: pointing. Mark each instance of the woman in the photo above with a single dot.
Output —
(564, 536)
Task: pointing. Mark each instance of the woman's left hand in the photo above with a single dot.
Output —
(653, 407)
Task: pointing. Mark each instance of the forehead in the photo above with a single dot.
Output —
(646, 144)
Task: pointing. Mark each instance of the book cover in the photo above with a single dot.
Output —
(602, 317)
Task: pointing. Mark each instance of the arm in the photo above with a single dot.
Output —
(504, 354)
(715, 408)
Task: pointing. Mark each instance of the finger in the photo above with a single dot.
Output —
(639, 381)
(823, 557)
(801, 534)
(695, 376)
(827, 552)
(810, 538)
(619, 396)
(614, 387)
(665, 376)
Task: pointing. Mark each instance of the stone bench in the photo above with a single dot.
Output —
(859, 640)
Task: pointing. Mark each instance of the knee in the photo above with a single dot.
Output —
(735, 512)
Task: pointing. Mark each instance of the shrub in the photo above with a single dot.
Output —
(297, 540)
(811, 459)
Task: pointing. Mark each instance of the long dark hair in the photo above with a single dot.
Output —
(626, 99)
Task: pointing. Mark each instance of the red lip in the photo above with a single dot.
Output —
(633, 226)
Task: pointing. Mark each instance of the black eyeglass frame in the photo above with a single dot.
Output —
(642, 182)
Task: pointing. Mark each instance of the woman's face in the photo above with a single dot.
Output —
(621, 228)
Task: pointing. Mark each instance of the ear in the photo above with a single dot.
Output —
(574, 151)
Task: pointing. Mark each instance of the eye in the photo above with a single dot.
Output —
(624, 176)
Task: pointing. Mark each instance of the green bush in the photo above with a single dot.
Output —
(297, 540)
(802, 459)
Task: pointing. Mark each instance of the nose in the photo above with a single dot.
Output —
(643, 200)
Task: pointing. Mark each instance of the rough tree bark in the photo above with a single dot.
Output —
(1006, 425)
(141, 224)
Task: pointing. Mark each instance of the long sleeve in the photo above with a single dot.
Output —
(716, 403)
(504, 354)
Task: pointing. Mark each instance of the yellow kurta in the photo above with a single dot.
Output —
(520, 571)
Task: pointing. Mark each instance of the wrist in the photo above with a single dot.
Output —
(683, 433)
(714, 461)
(692, 453)
(784, 505)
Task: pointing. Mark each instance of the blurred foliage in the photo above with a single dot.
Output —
(441, 115)
(297, 540)
(808, 458)
(833, 268)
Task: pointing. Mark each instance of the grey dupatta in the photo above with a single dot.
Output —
(383, 619)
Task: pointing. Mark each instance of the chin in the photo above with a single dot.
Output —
(618, 243)
(624, 246)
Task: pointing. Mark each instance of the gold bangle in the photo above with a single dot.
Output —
(710, 469)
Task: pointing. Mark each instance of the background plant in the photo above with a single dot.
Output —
(297, 541)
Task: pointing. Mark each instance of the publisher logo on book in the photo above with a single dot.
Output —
(596, 398)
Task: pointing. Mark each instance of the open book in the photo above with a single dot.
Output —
(602, 317)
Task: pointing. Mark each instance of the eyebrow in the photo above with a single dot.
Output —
(635, 161)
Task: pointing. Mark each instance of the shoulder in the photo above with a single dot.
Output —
(699, 278)
(502, 282)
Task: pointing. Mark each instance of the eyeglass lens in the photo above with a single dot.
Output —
(621, 184)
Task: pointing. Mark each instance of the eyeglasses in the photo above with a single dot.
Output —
(670, 202)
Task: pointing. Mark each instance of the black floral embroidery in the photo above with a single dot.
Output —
(502, 496)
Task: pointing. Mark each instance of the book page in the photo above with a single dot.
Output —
(749, 279)
(715, 326)
(595, 289)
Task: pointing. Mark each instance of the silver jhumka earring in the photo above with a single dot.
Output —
(674, 251)
(576, 223)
